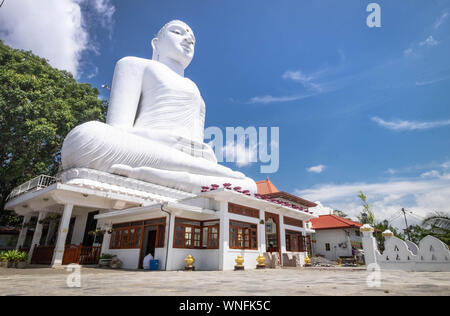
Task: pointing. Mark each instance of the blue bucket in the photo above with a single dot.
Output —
(154, 264)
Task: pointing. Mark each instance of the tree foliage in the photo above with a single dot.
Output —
(39, 105)
(340, 214)
(366, 216)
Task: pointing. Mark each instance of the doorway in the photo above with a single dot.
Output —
(149, 244)
(273, 233)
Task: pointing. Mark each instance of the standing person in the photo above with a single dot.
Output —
(354, 254)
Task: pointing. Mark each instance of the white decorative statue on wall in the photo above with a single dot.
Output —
(155, 123)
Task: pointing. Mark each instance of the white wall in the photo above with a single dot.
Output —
(129, 257)
(334, 237)
(205, 259)
(248, 255)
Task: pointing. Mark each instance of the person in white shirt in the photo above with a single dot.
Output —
(146, 263)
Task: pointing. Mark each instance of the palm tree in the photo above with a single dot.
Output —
(438, 220)
(439, 223)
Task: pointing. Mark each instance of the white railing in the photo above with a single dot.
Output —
(37, 183)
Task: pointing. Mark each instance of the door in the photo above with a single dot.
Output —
(149, 243)
(273, 233)
(91, 225)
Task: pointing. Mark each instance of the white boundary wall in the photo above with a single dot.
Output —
(431, 254)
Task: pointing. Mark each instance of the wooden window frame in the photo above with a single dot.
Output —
(119, 242)
(243, 210)
(251, 230)
(301, 241)
(193, 239)
(293, 221)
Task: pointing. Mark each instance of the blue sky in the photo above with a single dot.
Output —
(365, 108)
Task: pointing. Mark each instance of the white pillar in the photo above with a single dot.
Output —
(262, 231)
(224, 234)
(23, 232)
(37, 234)
(106, 242)
(169, 263)
(369, 244)
(62, 235)
(282, 233)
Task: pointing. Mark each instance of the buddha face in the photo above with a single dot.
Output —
(175, 41)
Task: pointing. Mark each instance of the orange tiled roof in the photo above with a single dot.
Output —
(266, 186)
(332, 222)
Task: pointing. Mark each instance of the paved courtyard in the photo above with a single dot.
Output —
(306, 281)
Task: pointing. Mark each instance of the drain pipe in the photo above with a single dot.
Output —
(168, 234)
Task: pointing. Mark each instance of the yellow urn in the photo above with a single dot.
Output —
(260, 259)
(189, 261)
(307, 260)
(239, 261)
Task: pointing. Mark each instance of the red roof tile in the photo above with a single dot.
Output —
(333, 221)
(266, 186)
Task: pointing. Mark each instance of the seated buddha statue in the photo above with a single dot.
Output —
(155, 123)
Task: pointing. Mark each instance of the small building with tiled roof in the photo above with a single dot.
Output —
(335, 236)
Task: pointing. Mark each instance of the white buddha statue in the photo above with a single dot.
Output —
(155, 123)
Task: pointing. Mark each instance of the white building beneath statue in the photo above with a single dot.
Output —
(134, 218)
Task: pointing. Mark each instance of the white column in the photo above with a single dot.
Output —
(282, 238)
(224, 234)
(37, 234)
(170, 242)
(62, 235)
(106, 242)
(369, 244)
(23, 232)
(262, 231)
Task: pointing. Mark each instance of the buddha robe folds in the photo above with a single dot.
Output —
(164, 145)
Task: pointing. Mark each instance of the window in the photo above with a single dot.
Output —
(327, 247)
(196, 234)
(295, 241)
(243, 235)
(128, 235)
(161, 236)
(357, 233)
(126, 238)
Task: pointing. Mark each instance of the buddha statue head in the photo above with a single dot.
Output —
(175, 41)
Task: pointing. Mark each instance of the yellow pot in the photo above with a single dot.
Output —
(189, 261)
(239, 261)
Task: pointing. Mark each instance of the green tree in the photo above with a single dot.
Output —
(438, 225)
(340, 214)
(39, 105)
(366, 216)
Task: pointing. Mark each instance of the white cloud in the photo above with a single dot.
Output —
(316, 169)
(431, 174)
(306, 80)
(419, 195)
(430, 41)
(408, 51)
(441, 19)
(400, 125)
(271, 99)
(52, 29)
